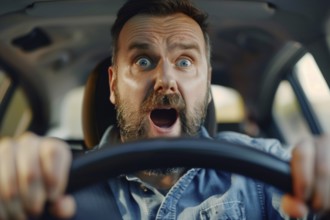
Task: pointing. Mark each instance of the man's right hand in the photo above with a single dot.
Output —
(33, 171)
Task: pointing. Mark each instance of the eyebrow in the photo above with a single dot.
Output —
(180, 45)
(185, 46)
(139, 45)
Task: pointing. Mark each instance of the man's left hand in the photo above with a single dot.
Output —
(310, 167)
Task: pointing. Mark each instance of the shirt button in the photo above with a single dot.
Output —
(144, 188)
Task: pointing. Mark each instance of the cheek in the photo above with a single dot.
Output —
(195, 87)
(194, 92)
(132, 91)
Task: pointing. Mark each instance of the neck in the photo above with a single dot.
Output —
(160, 182)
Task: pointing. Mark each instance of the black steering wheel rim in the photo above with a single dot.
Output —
(111, 161)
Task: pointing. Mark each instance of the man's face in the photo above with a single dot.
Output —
(160, 81)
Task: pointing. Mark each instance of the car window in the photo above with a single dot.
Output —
(288, 116)
(70, 121)
(228, 104)
(302, 102)
(16, 111)
(229, 109)
(316, 89)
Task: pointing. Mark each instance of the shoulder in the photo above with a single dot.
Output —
(269, 145)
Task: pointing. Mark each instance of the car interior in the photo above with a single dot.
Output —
(49, 48)
(270, 68)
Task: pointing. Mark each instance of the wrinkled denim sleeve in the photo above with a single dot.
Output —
(272, 146)
(271, 195)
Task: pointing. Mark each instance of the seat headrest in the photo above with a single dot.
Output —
(99, 113)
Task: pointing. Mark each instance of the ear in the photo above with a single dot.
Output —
(112, 78)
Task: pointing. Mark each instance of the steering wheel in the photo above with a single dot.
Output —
(112, 161)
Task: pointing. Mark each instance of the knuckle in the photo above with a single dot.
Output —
(5, 145)
(53, 149)
(53, 156)
(27, 141)
(302, 151)
(27, 136)
(49, 150)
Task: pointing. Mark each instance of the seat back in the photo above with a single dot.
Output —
(99, 113)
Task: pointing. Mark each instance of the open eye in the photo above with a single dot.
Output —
(184, 62)
(143, 62)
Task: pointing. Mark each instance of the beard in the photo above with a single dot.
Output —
(134, 125)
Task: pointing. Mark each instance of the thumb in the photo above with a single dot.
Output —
(293, 207)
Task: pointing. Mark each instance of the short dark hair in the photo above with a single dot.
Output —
(157, 8)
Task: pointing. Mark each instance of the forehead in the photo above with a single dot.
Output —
(156, 29)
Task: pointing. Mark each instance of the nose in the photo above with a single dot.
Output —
(165, 80)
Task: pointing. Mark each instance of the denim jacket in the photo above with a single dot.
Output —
(198, 194)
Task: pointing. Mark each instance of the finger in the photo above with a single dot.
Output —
(55, 164)
(321, 197)
(302, 167)
(293, 207)
(31, 185)
(12, 208)
(63, 207)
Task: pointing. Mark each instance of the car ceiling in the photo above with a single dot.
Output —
(246, 35)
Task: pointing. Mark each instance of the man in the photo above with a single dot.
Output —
(160, 84)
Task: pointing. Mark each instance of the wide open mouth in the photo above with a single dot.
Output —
(164, 118)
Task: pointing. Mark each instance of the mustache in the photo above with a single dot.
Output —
(157, 99)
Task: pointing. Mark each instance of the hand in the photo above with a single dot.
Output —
(34, 170)
(310, 167)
